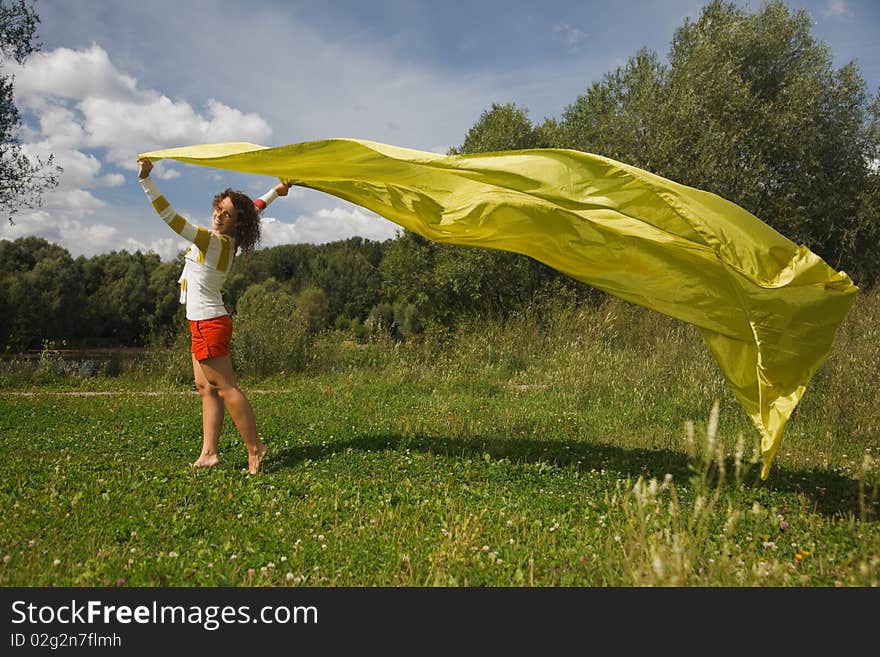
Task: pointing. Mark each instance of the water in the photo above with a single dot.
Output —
(76, 362)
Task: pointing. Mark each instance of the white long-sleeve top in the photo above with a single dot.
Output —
(207, 262)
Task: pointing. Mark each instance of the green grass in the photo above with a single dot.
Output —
(502, 456)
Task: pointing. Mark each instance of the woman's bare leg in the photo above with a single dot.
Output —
(212, 419)
(219, 374)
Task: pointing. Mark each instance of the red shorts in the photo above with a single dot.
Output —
(211, 337)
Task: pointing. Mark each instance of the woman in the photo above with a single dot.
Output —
(235, 225)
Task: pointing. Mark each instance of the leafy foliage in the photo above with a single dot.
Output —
(751, 109)
(23, 178)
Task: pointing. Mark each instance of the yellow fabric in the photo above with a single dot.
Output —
(767, 308)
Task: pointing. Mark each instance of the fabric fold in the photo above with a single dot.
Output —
(767, 308)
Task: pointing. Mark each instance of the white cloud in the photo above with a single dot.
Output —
(327, 225)
(81, 170)
(80, 201)
(124, 129)
(87, 226)
(570, 36)
(66, 73)
(837, 8)
(77, 236)
(84, 102)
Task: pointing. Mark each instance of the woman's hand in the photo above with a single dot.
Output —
(144, 168)
(282, 188)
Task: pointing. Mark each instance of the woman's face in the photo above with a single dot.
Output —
(224, 217)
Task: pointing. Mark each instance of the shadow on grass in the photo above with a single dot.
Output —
(830, 493)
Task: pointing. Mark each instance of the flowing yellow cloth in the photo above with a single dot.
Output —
(767, 308)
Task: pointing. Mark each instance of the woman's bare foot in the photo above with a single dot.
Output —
(206, 461)
(255, 458)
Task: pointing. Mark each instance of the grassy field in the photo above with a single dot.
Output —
(603, 450)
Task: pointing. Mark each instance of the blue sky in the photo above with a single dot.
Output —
(118, 77)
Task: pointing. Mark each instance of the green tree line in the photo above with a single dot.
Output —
(400, 286)
(747, 105)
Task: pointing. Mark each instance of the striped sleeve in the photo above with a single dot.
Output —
(263, 202)
(212, 249)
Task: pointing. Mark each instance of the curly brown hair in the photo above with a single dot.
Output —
(247, 219)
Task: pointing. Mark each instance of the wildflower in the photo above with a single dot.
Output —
(289, 576)
(657, 564)
(173, 554)
(120, 581)
(56, 562)
(251, 572)
(783, 525)
(7, 558)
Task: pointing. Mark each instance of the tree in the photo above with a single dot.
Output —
(120, 298)
(23, 179)
(501, 128)
(468, 281)
(749, 108)
(617, 117)
(44, 298)
(348, 278)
